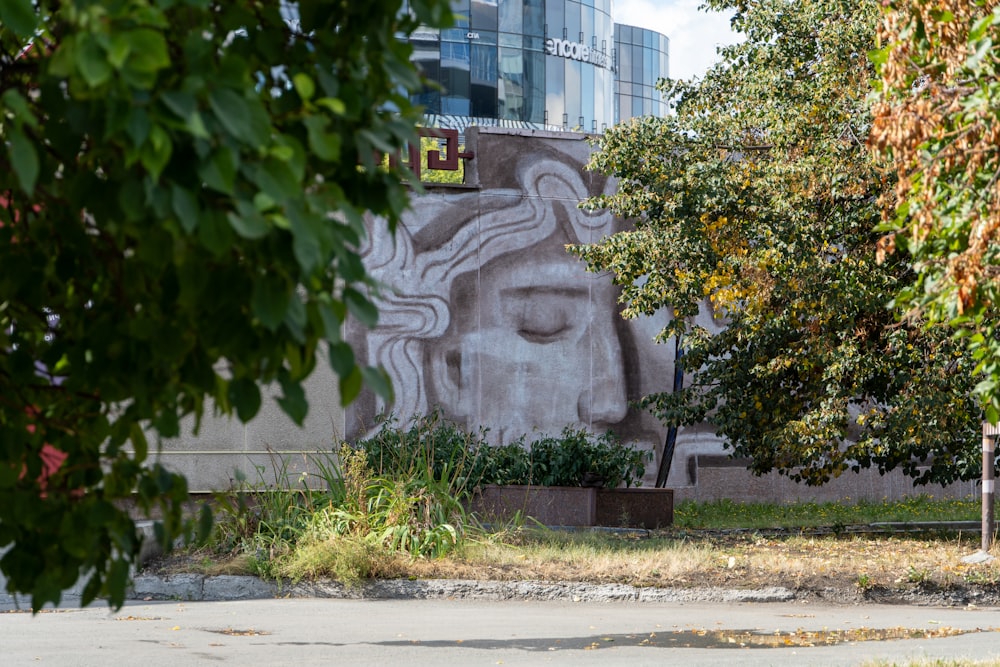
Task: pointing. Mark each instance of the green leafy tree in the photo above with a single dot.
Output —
(935, 118)
(756, 202)
(182, 184)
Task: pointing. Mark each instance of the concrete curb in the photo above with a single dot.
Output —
(196, 587)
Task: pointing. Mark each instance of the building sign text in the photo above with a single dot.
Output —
(576, 51)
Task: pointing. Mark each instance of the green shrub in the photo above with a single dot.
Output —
(431, 449)
(580, 458)
(441, 451)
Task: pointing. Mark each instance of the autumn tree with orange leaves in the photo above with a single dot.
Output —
(935, 119)
(759, 196)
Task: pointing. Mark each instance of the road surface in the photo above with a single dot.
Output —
(466, 632)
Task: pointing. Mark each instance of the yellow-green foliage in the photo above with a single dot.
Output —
(756, 202)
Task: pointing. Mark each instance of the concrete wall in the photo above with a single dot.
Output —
(485, 316)
(267, 447)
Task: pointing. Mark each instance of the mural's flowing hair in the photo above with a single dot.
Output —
(464, 232)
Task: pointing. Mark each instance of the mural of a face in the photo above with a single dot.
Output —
(487, 317)
(537, 348)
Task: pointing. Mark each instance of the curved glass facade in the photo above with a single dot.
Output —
(642, 59)
(544, 64)
(579, 77)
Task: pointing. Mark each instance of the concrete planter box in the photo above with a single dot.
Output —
(635, 508)
(549, 505)
(577, 506)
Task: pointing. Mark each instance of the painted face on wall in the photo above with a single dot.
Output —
(533, 344)
(487, 317)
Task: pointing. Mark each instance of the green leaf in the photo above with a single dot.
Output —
(185, 205)
(334, 105)
(148, 53)
(156, 152)
(992, 414)
(341, 358)
(293, 402)
(180, 102)
(248, 222)
(361, 307)
(432, 13)
(138, 126)
(981, 49)
(204, 530)
(185, 106)
(139, 443)
(304, 85)
(306, 243)
(380, 141)
(231, 109)
(270, 301)
(324, 144)
(167, 424)
(942, 16)
(378, 380)
(331, 323)
(219, 172)
(19, 16)
(981, 26)
(350, 386)
(244, 395)
(132, 199)
(118, 46)
(92, 62)
(878, 57)
(14, 101)
(275, 178)
(24, 159)
(295, 319)
(216, 233)
(118, 578)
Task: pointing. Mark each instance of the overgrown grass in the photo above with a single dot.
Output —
(378, 520)
(394, 532)
(724, 514)
(394, 506)
(399, 494)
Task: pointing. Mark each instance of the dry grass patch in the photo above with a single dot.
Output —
(689, 559)
(732, 561)
(564, 557)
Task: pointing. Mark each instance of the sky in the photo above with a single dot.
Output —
(694, 35)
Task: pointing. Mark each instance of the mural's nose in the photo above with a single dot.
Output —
(604, 402)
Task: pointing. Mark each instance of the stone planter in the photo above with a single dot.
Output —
(577, 506)
(635, 508)
(549, 505)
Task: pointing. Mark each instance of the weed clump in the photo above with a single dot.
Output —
(396, 495)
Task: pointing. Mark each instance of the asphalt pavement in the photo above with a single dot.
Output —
(335, 631)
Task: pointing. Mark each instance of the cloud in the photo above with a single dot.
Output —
(694, 35)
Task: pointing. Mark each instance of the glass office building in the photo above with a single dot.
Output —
(542, 64)
(642, 60)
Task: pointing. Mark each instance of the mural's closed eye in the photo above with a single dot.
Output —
(544, 327)
(544, 315)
